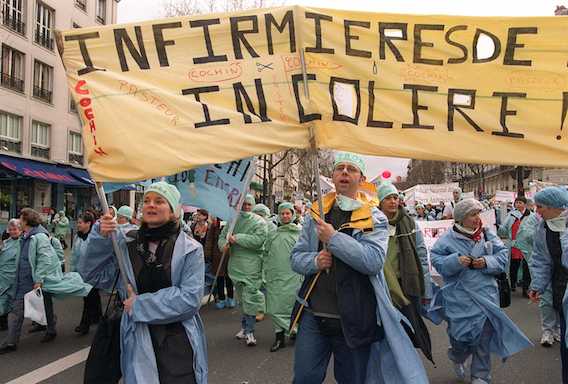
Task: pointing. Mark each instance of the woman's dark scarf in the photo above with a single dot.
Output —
(166, 235)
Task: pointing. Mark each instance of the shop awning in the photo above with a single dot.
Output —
(47, 172)
(82, 175)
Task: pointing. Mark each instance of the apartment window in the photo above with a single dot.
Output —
(13, 14)
(81, 4)
(45, 18)
(75, 148)
(101, 11)
(10, 132)
(13, 68)
(40, 139)
(43, 81)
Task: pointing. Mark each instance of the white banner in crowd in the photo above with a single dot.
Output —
(430, 193)
(505, 196)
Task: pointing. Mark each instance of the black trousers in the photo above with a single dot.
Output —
(514, 272)
(222, 283)
(92, 310)
(49, 313)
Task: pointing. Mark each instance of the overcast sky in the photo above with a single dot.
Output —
(138, 10)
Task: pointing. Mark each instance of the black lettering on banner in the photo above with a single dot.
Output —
(211, 57)
(161, 44)
(388, 40)
(121, 37)
(288, 20)
(89, 67)
(463, 48)
(349, 51)
(507, 112)
(458, 107)
(417, 107)
(371, 122)
(318, 17)
(233, 167)
(196, 92)
(418, 43)
(512, 44)
(302, 117)
(336, 115)
(496, 44)
(238, 35)
(564, 112)
(245, 171)
(240, 93)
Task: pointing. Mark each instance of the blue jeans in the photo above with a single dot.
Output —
(313, 351)
(247, 323)
(480, 353)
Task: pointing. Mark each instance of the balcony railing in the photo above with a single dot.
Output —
(40, 152)
(12, 82)
(81, 4)
(14, 24)
(44, 39)
(43, 94)
(75, 158)
(10, 146)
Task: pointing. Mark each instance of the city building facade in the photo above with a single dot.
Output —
(41, 150)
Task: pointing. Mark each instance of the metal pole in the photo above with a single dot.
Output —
(231, 228)
(116, 248)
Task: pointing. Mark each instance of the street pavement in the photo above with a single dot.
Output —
(231, 361)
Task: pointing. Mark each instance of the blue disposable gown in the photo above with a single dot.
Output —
(470, 297)
(541, 264)
(393, 360)
(178, 303)
(8, 264)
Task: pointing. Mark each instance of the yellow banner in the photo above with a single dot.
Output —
(162, 96)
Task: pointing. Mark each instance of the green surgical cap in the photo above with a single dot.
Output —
(250, 199)
(261, 210)
(386, 189)
(167, 191)
(125, 211)
(286, 205)
(350, 158)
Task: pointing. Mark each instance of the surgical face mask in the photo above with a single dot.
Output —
(347, 204)
(558, 224)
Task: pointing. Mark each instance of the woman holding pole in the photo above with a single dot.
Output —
(161, 331)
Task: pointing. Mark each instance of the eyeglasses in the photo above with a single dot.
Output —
(346, 167)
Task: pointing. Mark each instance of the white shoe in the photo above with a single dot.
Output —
(251, 341)
(547, 339)
(241, 335)
(557, 337)
(477, 380)
(459, 370)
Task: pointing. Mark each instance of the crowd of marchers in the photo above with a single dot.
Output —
(352, 281)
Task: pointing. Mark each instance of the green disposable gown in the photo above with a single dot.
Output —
(282, 283)
(8, 264)
(61, 227)
(245, 261)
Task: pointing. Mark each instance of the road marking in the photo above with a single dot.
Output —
(52, 369)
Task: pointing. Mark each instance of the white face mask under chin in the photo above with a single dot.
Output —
(347, 204)
(558, 224)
